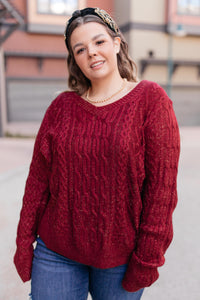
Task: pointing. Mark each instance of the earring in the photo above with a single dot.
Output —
(117, 49)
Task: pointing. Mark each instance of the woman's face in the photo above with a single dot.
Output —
(95, 51)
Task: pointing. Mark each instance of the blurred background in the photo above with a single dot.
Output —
(163, 38)
(164, 41)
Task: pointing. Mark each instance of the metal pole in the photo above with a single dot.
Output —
(3, 111)
(170, 64)
(19, 21)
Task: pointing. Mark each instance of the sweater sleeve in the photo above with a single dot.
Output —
(159, 195)
(35, 198)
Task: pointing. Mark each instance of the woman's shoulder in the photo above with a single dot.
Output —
(152, 97)
(58, 104)
(147, 90)
(151, 86)
(65, 95)
(154, 91)
(62, 98)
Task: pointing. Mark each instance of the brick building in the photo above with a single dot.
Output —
(163, 37)
(35, 60)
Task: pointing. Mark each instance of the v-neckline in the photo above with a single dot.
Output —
(97, 109)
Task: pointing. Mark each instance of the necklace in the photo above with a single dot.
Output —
(110, 97)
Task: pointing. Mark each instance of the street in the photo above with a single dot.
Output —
(179, 277)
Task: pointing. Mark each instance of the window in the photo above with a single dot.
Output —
(28, 99)
(57, 7)
(189, 7)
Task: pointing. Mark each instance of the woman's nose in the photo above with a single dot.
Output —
(91, 50)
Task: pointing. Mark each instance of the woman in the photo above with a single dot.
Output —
(102, 182)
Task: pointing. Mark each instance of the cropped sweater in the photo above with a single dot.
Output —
(102, 184)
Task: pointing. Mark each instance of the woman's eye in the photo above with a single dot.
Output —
(100, 42)
(79, 50)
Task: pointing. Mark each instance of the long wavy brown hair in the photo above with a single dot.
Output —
(77, 81)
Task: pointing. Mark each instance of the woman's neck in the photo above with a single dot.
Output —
(104, 88)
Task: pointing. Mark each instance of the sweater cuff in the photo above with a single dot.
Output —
(139, 275)
(23, 263)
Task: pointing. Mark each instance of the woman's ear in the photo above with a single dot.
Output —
(117, 42)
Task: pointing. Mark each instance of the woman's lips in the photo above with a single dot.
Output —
(96, 64)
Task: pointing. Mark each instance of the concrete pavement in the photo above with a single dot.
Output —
(15, 155)
(179, 277)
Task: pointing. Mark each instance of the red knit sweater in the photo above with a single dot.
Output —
(102, 184)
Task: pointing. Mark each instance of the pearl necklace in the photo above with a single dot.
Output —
(110, 97)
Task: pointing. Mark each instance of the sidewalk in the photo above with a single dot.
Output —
(15, 155)
(179, 277)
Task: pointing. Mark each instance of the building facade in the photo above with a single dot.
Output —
(35, 66)
(164, 40)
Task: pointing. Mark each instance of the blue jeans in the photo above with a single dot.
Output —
(55, 277)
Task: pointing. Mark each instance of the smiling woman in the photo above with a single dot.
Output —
(109, 29)
(101, 188)
(95, 53)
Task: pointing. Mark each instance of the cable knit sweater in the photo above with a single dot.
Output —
(101, 187)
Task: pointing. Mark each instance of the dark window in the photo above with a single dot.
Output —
(29, 99)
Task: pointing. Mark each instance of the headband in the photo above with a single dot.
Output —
(102, 14)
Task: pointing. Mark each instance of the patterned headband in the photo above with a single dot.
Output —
(102, 14)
